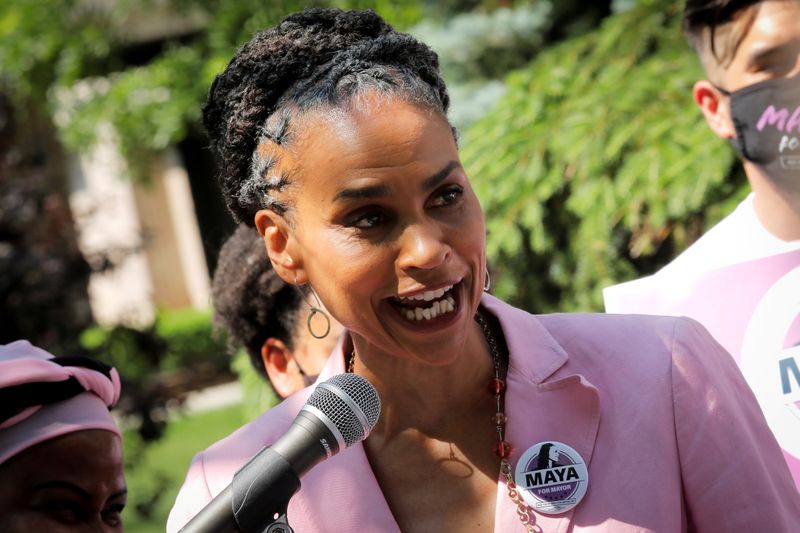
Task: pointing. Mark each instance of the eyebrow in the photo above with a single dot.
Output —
(377, 191)
(437, 178)
(119, 494)
(764, 54)
(74, 488)
(47, 485)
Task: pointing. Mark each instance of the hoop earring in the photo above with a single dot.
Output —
(317, 309)
(487, 283)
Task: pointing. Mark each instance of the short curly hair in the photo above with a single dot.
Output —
(251, 302)
(311, 60)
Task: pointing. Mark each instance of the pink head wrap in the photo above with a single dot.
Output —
(42, 397)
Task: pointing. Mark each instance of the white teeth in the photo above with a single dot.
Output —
(427, 296)
(440, 303)
(436, 309)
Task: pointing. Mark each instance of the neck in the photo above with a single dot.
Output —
(777, 204)
(432, 399)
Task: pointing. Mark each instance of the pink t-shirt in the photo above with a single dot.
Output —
(742, 283)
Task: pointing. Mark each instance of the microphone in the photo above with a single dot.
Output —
(340, 412)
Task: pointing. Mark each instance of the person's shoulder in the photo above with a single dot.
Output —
(727, 242)
(223, 458)
(213, 469)
(612, 328)
(261, 431)
(598, 340)
(603, 331)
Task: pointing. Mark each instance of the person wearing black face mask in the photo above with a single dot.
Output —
(766, 116)
(750, 51)
(268, 317)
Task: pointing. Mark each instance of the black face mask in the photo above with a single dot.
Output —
(767, 120)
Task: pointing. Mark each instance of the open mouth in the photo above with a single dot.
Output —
(427, 306)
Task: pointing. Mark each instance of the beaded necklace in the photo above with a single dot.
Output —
(502, 449)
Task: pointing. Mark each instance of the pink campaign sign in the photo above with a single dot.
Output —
(753, 310)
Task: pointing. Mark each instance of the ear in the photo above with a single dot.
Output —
(282, 247)
(277, 360)
(715, 108)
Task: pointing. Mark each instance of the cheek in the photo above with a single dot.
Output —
(471, 234)
(347, 272)
(16, 520)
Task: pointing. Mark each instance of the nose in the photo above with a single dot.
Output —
(422, 247)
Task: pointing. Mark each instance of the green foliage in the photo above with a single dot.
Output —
(595, 166)
(149, 107)
(481, 46)
(48, 40)
(190, 338)
(159, 363)
(477, 49)
(176, 340)
(72, 53)
(154, 472)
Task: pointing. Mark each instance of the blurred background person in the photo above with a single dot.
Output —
(61, 466)
(750, 53)
(268, 317)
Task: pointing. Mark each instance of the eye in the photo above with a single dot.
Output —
(369, 218)
(776, 68)
(63, 512)
(778, 61)
(448, 196)
(112, 515)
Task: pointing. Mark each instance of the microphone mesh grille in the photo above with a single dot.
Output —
(361, 392)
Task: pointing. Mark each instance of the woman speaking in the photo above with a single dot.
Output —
(332, 137)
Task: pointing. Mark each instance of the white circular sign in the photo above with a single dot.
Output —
(551, 477)
(772, 370)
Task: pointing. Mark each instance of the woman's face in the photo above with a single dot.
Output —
(553, 454)
(384, 223)
(71, 483)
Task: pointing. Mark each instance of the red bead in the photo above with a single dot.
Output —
(501, 449)
(496, 386)
(499, 419)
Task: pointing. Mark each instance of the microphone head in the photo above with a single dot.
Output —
(351, 404)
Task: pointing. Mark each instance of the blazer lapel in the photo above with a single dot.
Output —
(544, 402)
(344, 496)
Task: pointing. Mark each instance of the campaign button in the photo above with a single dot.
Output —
(551, 477)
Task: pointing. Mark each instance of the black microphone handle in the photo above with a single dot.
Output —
(261, 489)
(307, 428)
(259, 494)
(216, 517)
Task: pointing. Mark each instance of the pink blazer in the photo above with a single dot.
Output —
(672, 436)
